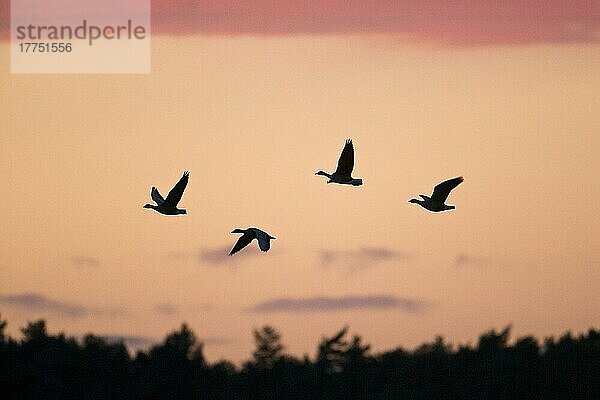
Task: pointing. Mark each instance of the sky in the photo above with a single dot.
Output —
(253, 98)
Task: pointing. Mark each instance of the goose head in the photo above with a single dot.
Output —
(446, 207)
(415, 201)
(238, 230)
(149, 206)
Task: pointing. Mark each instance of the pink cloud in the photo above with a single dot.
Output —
(459, 22)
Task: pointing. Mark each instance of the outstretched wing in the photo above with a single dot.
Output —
(442, 190)
(242, 242)
(158, 199)
(346, 161)
(264, 243)
(175, 194)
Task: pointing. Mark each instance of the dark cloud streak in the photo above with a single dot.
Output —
(168, 309)
(220, 255)
(343, 303)
(165, 309)
(462, 260)
(360, 258)
(34, 302)
(214, 256)
(39, 303)
(132, 341)
(85, 261)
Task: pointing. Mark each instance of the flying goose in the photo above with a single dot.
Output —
(436, 202)
(343, 173)
(168, 206)
(263, 238)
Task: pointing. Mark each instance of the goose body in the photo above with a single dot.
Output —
(262, 237)
(343, 173)
(436, 202)
(168, 206)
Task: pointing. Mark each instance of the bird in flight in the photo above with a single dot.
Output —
(168, 206)
(435, 203)
(262, 237)
(343, 173)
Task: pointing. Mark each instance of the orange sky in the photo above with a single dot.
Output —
(252, 118)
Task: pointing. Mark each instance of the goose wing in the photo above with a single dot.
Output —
(346, 161)
(175, 194)
(442, 190)
(156, 196)
(242, 242)
(264, 242)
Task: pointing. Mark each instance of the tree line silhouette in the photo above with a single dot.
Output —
(44, 366)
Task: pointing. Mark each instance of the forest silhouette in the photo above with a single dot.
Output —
(44, 366)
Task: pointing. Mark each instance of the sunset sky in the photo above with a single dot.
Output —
(253, 98)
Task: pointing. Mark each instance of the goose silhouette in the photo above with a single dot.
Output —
(168, 206)
(262, 237)
(343, 173)
(436, 202)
